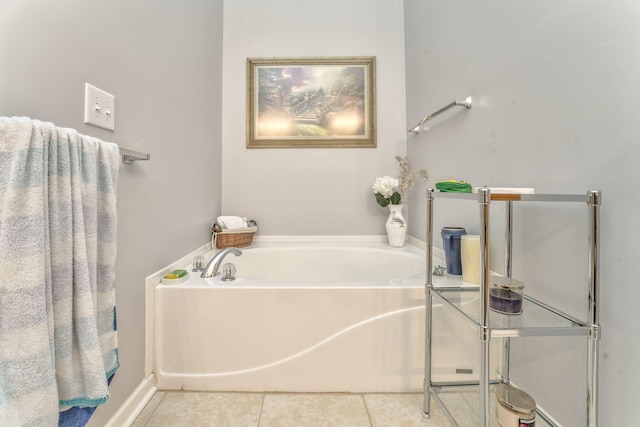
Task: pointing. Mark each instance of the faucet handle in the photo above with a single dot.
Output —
(198, 263)
(228, 272)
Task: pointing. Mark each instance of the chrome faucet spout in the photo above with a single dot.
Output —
(214, 265)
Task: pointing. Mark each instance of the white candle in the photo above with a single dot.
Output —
(470, 255)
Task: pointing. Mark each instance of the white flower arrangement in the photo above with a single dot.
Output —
(389, 190)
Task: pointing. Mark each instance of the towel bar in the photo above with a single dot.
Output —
(130, 156)
(465, 103)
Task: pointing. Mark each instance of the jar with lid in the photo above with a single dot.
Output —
(515, 408)
(505, 295)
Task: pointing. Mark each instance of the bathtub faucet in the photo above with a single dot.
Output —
(212, 268)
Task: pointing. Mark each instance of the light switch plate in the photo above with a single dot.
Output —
(99, 108)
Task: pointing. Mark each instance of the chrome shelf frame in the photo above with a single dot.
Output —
(450, 412)
(538, 319)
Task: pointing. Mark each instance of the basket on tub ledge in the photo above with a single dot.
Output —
(237, 238)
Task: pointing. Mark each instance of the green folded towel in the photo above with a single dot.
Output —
(453, 186)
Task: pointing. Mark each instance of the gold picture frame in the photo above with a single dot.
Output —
(311, 102)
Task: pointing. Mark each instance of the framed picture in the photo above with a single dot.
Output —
(311, 102)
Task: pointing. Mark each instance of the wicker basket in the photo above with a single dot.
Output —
(240, 238)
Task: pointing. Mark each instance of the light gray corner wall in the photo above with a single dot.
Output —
(162, 61)
(553, 85)
(311, 191)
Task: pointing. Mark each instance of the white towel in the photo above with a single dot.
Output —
(232, 222)
(57, 276)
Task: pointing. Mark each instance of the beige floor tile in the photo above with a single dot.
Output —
(474, 401)
(194, 409)
(458, 405)
(402, 410)
(314, 410)
(148, 409)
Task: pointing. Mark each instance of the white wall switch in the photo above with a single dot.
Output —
(99, 108)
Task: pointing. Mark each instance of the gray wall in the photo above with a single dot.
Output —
(311, 191)
(162, 61)
(552, 84)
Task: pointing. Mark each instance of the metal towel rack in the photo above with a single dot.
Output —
(465, 103)
(130, 156)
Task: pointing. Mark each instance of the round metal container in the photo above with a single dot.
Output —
(515, 408)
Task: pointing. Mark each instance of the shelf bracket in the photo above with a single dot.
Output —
(485, 333)
(594, 332)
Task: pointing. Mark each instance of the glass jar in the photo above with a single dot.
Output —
(505, 295)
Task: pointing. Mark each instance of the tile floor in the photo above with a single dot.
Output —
(237, 409)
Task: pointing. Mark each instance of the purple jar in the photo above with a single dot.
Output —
(505, 295)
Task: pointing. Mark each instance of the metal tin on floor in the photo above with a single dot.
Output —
(515, 408)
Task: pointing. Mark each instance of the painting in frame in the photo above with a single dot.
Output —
(311, 102)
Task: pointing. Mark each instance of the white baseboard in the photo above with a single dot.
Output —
(135, 403)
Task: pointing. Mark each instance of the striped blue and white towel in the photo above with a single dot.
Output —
(57, 270)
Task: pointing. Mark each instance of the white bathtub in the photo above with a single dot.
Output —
(307, 318)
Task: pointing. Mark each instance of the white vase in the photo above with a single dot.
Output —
(396, 226)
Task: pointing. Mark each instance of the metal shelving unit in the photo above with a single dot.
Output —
(537, 319)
